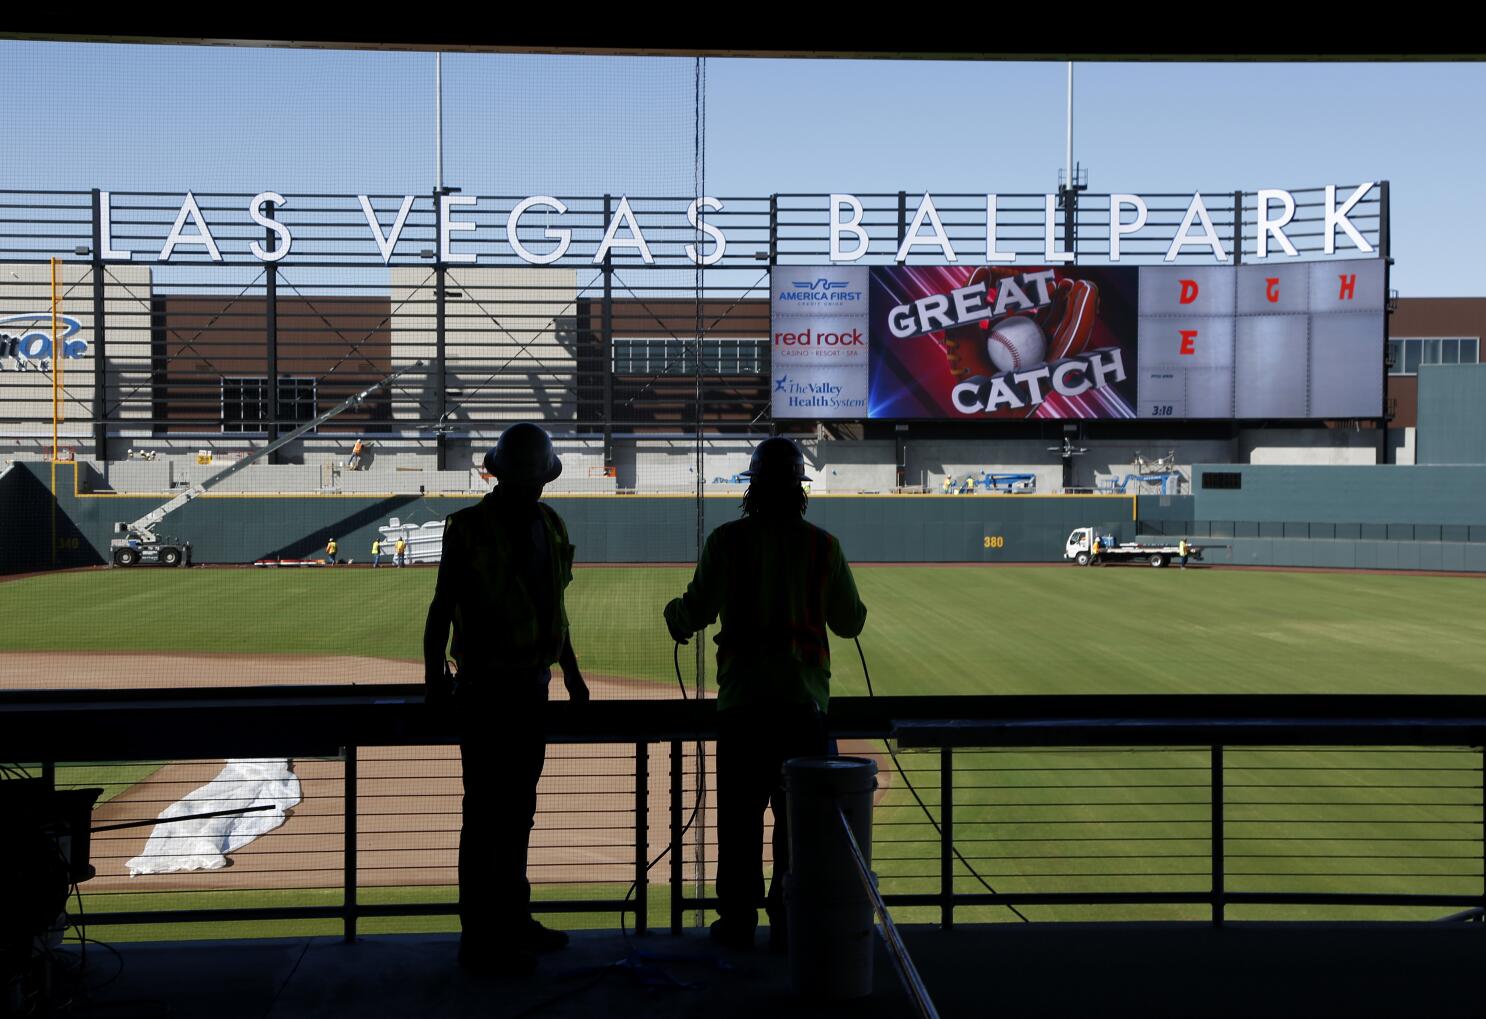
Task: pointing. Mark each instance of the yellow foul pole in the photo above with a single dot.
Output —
(56, 366)
(56, 394)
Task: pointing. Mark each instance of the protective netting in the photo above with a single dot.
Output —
(146, 448)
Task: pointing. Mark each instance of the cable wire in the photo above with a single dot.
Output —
(919, 799)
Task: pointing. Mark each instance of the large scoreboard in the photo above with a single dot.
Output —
(1295, 341)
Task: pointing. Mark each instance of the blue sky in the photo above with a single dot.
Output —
(238, 119)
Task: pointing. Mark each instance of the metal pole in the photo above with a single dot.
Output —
(100, 332)
(440, 389)
(678, 890)
(350, 912)
(1068, 147)
(1385, 248)
(606, 343)
(438, 120)
(271, 334)
(1238, 228)
(946, 837)
(773, 230)
(642, 836)
(1217, 837)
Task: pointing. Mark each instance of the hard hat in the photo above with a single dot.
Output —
(524, 455)
(776, 458)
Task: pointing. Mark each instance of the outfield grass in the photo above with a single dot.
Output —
(931, 631)
(1310, 820)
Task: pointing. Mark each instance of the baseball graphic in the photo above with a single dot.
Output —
(1015, 344)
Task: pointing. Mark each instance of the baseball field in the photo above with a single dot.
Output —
(1115, 820)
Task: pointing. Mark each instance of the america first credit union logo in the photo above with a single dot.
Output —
(26, 342)
(820, 290)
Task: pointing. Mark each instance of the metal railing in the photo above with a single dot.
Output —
(1187, 807)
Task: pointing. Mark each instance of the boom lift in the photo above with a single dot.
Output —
(142, 542)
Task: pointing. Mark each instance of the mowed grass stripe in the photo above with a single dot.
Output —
(931, 631)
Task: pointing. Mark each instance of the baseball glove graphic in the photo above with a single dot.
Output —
(1060, 329)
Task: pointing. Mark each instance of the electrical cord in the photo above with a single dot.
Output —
(898, 766)
(695, 807)
(630, 952)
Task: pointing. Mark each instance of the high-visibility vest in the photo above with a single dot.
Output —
(377, 547)
(497, 624)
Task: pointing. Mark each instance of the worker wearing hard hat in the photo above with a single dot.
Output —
(778, 583)
(506, 562)
(330, 550)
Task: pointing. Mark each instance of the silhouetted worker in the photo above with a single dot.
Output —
(778, 583)
(505, 564)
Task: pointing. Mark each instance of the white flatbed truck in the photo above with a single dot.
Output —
(1087, 547)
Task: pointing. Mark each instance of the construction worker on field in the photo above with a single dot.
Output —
(376, 552)
(330, 549)
(506, 562)
(399, 551)
(1183, 550)
(778, 583)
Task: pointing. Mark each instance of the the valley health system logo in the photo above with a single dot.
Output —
(26, 341)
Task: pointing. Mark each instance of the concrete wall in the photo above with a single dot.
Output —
(1309, 446)
(510, 338)
(851, 466)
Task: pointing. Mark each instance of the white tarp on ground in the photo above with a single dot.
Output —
(203, 844)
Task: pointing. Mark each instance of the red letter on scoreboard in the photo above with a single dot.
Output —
(1349, 287)
(1189, 291)
(1189, 338)
(1272, 289)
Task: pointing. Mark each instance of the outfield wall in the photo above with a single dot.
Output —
(1429, 518)
(241, 527)
(1393, 494)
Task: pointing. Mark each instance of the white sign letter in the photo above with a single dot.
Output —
(386, 244)
(1196, 211)
(448, 226)
(1338, 218)
(562, 237)
(202, 236)
(852, 225)
(625, 217)
(937, 238)
(1119, 228)
(1050, 242)
(281, 246)
(1274, 227)
(992, 255)
(720, 243)
(106, 250)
